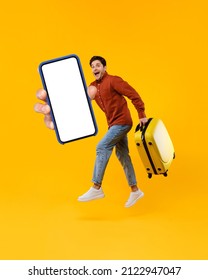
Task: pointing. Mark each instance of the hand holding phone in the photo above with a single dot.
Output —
(71, 109)
(44, 108)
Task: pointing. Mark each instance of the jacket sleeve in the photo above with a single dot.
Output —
(123, 88)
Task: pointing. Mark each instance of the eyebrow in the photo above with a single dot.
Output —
(98, 63)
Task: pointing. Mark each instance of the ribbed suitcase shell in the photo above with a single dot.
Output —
(155, 147)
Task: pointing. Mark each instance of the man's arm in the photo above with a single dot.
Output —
(92, 91)
(122, 87)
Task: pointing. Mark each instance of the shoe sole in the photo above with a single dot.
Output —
(127, 206)
(89, 199)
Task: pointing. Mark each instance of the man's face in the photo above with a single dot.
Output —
(98, 69)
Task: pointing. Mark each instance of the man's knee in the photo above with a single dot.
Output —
(119, 154)
(122, 154)
(100, 147)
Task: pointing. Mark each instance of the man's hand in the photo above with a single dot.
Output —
(143, 121)
(44, 108)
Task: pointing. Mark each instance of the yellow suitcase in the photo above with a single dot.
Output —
(155, 147)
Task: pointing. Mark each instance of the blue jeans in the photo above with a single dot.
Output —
(115, 137)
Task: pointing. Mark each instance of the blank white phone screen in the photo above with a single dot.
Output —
(68, 99)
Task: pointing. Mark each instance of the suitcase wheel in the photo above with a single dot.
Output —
(165, 174)
(149, 175)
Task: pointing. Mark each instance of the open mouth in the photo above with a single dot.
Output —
(96, 74)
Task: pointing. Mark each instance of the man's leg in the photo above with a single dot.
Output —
(103, 153)
(104, 150)
(122, 153)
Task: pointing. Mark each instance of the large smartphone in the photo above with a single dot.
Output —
(71, 109)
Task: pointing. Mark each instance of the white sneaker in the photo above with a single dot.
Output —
(134, 196)
(91, 195)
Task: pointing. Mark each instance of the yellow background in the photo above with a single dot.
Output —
(160, 48)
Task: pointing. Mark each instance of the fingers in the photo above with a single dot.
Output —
(143, 121)
(41, 94)
(48, 122)
(42, 108)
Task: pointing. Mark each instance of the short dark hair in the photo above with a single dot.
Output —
(100, 58)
